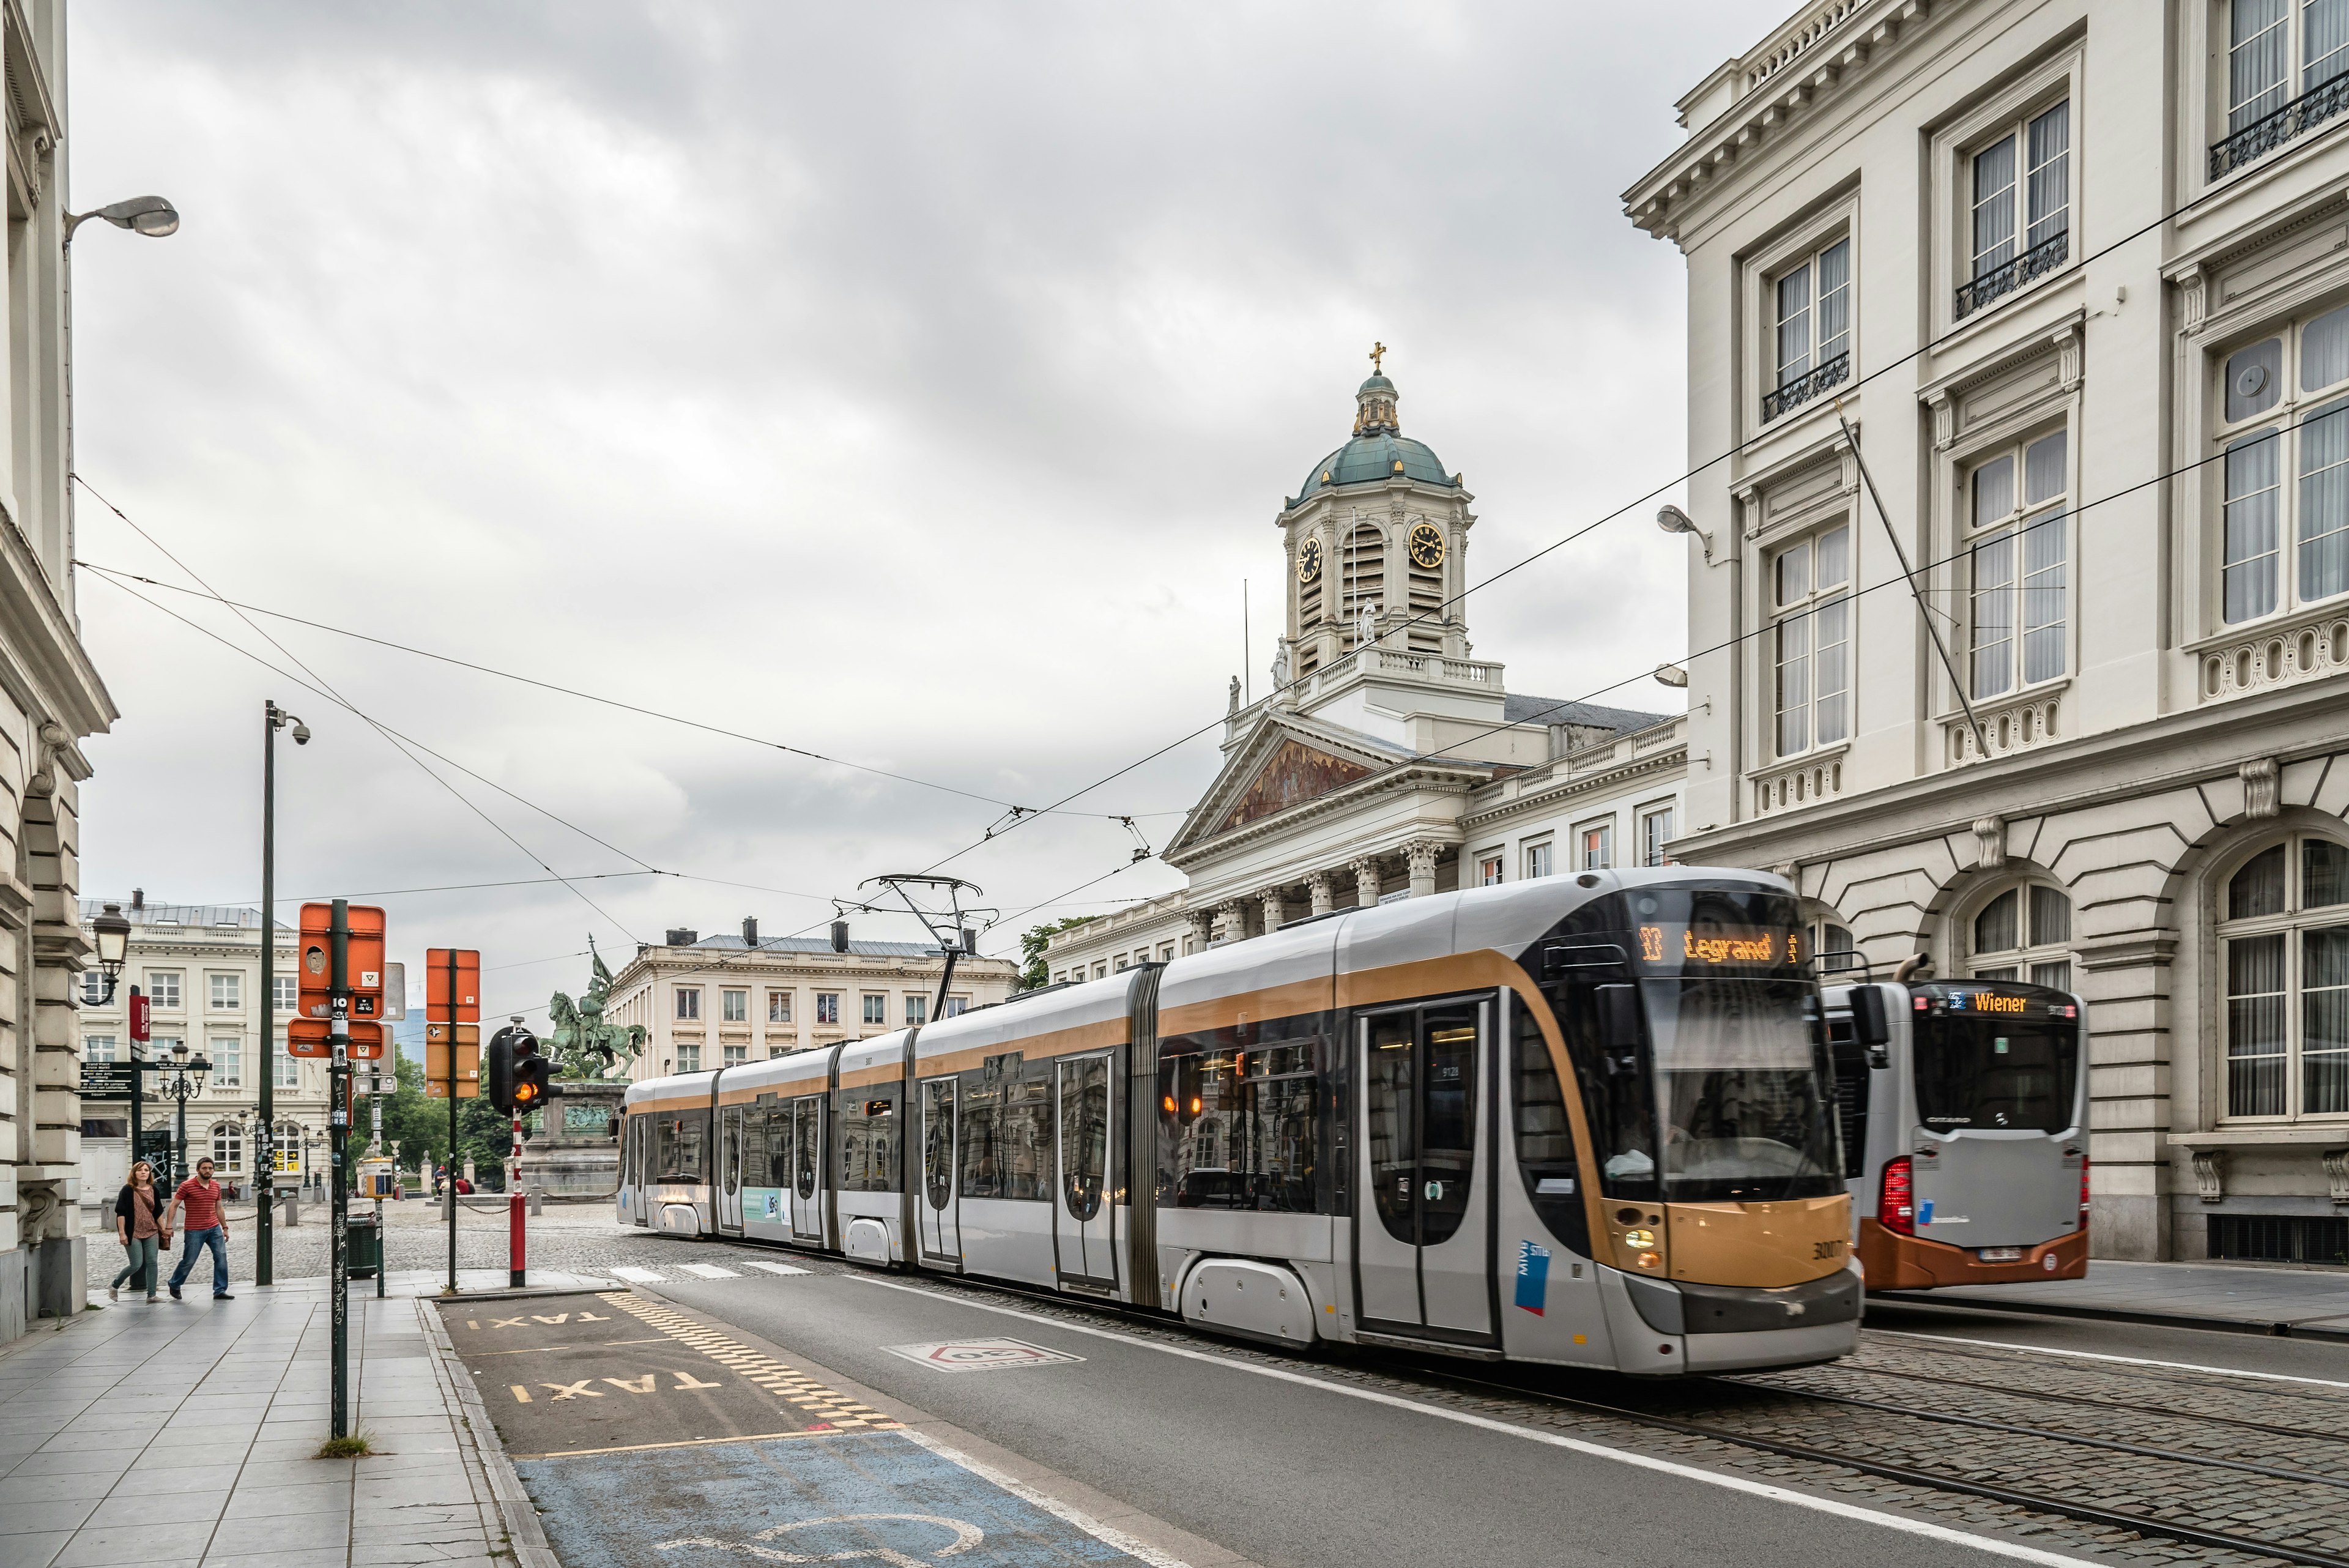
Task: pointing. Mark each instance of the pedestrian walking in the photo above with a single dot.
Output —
(200, 1194)
(139, 1224)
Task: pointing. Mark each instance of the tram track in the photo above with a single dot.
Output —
(1408, 1371)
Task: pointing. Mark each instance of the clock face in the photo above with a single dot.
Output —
(1309, 562)
(1427, 546)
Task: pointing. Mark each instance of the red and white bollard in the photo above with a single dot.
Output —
(517, 1272)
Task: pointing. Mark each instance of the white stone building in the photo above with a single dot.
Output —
(50, 698)
(717, 1002)
(2077, 274)
(1387, 762)
(200, 966)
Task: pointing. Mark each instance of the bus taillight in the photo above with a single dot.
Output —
(1896, 1199)
(2084, 1192)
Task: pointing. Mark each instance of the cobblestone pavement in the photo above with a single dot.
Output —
(2265, 1461)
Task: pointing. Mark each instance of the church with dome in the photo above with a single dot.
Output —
(1388, 762)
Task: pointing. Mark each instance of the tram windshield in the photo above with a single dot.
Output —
(1726, 1095)
(2001, 1057)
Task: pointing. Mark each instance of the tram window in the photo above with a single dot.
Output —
(1085, 1135)
(868, 1140)
(1007, 1134)
(775, 1145)
(1240, 1124)
(807, 1134)
(1996, 1072)
(1546, 1157)
(680, 1145)
(937, 1140)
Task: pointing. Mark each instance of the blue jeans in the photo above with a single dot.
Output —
(141, 1269)
(216, 1238)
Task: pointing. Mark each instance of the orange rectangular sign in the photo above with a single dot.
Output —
(364, 961)
(315, 1037)
(469, 1061)
(452, 998)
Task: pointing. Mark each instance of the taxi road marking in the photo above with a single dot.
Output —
(1637, 1460)
(828, 1408)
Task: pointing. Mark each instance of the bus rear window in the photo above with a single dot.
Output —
(1984, 1071)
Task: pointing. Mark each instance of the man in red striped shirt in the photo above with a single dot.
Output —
(200, 1194)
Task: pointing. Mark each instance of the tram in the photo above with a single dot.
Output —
(1964, 1112)
(1584, 1120)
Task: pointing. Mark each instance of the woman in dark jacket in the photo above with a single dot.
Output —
(139, 1225)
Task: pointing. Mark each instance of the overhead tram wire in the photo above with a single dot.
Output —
(1563, 540)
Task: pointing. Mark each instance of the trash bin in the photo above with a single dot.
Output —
(362, 1246)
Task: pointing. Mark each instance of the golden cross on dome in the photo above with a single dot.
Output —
(1378, 352)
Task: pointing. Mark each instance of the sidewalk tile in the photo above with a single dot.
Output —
(134, 1543)
(276, 1502)
(334, 1557)
(72, 1461)
(185, 1478)
(53, 1488)
(32, 1551)
(37, 1518)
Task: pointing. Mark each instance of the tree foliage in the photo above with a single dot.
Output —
(1035, 970)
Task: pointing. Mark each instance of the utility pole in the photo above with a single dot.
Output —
(449, 1182)
(339, 1129)
(265, 1159)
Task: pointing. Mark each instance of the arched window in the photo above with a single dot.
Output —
(1833, 952)
(2024, 933)
(2283, 936)
(228, 1148)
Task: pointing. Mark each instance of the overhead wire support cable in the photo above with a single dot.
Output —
(1974, 720)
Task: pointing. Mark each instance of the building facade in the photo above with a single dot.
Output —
(1387, 762)
(199, 966)
(2018, 381)
(719, 1001)
(50, 699)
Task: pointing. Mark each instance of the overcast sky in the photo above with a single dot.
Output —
(915, 385)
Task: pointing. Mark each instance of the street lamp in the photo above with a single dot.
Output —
(112, 930)
(187, 1079)
(153, 216)
(273, 718)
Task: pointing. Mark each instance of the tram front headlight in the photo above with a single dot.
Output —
(1651, 1260)
(1639, 1240)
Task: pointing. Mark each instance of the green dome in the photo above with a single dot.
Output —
(1379, 449)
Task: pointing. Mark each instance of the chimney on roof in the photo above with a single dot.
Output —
(749, 930)
(840, 936)
(683, 937)
(137, 897)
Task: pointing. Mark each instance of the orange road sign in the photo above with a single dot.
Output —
(315, 1037)
(469, 1060)
(452, 999)
(364, 962)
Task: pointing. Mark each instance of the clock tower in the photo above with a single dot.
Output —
(1377, 541)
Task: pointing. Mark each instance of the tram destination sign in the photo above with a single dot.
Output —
(105, 1080)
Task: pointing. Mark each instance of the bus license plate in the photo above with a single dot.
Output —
(2000, 1254)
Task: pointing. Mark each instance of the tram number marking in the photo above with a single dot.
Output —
(1835, 1249)
(1651, 943)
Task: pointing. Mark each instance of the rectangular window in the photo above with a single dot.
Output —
(827, 1007)
(957, 1006)
(689, 1056)
(98, 1048)
(734, 1006)
(228, 1061)
(1489, 870)
(737, 1054)
(1655, 832)
(228, 992)
(1813, 307)
(917, 1010)
(1537, 860)
(779, 1007)
(688, 1002)
(287, 990)
(2255, 1025)
(876, 1010)
(2260, 81)
(2019, 599)
(284, 1068)
(2022, 207)
(93, 988)
(163, 990)
(1598, 845)
(1811, 580)
(2282, 545)
(1166, 952)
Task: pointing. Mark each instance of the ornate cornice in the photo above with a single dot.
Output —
(1669, 759)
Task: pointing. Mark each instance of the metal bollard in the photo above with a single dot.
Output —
(538, 1200)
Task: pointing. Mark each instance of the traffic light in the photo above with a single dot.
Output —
(516, 1074)
(532, 1072)
(498, 1072)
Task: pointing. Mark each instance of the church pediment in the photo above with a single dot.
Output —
(1296, 772)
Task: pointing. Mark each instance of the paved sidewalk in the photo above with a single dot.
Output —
(181, 1433)
(2310, 1302)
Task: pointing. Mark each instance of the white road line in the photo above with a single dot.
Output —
(1108, 1534)
(773, 1268)
(640, 1276)
(2124, 1360)
(1595, 1450)
(709, 1271)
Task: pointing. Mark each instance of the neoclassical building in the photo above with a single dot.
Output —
(1387, 762)
(2047, 303)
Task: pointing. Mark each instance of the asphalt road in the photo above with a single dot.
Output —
(1281, 1462)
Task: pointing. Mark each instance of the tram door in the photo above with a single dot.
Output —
(639, 1147)
(1081, 1211)
(941, 1233)
(807, 1160)
(730, 1170)
(1422, 1252)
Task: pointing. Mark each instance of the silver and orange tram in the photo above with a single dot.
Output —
(1587, 1121)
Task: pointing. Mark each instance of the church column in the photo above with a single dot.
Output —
(1370, 875)
(1421, 854)
(1202, 925)
(1233, 914)
(1276, 907)
(1322, 887)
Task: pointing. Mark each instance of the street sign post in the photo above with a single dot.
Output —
(341, 945)
(452, 1004)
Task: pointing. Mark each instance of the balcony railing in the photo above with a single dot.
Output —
(1803, 388)
(2037, 262)
(2270, 131)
